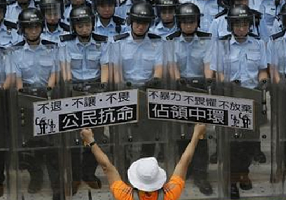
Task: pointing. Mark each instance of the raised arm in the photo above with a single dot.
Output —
(183, 164)
(108, 168)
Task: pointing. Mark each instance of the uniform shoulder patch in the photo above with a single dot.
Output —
(121, 36)
(100, 38)
(118, 20)
(278, 35)
(203, 34)
(223, 12)
(65, 27)
(19, 44)
(173, 35)
(67, 37)
(226, 37)
(154, 36)
(10, 25)
(47, 42)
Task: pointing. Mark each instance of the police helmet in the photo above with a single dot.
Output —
(3, 6)
(188, 12)
(239, 13)
(166, 3)
(30, 17)
(81, 14)
(141, 12)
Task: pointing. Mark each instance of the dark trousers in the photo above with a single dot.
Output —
(83, 164)
(241, 155)
(33, 160)
(199, 165)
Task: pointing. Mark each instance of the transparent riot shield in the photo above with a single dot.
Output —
(277, 60)
(139, 65)
(5, 144)
(36, 147)
(244, 147)
(85, 75)
(189, 71)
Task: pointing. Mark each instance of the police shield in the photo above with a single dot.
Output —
(5, 147)
(189, 70)
(85, 75)
(277, 60)
(243, 74)
(36, 73)
(139, 64)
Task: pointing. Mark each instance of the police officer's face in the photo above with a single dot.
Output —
(189, 27)
(140, 28)
(241, 28)
(243, 2)
(167, 15)
(83, 29)
(106, 11)
(33, 32)
(52, 17)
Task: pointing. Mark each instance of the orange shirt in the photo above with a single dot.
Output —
(172, 190)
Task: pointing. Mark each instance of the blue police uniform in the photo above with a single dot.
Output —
(192, 56)
(269, 11)
(163, 31)
(137, 58)
(219, 28)
(240, 61)
(66, 16)
(14, 10)
(8, 37)
(35, 65)
(122, 10)
(52, 36)
(254, 4)
(277, 26)
(85, 59)
(209, 9)
(111, 29)
(276, 54)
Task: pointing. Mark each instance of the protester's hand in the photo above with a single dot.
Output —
(87, 135)
(199, 131)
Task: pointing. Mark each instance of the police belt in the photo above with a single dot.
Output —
(84, 86)
(199, 82)
(35, 91)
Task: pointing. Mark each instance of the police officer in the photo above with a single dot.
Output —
(141, 17)
(34, 63)
(52, 11)
(83, 59)
(8, 35)
(73, 3)
(137, 57)
(123, 9)
(242, 59)
(219, 26)
(166, 13)
(280, 21)
(269, 10)
(14, 9)
(209, 9)
(106, 22)
(191, 62)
